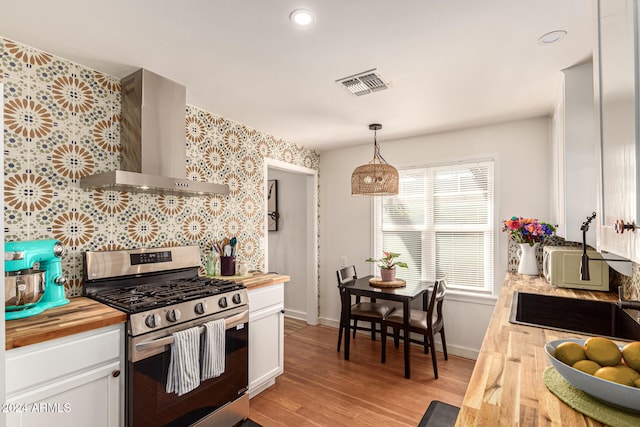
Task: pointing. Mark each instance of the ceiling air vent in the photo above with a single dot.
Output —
(363, 83)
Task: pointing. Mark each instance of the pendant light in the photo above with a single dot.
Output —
(376, 178)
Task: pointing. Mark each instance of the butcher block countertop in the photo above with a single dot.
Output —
(84, 314)
(80, 315)
(506, 387)
(259, 280)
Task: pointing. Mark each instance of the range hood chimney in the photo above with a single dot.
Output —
(153, 141)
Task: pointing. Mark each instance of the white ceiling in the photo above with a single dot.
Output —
(449, 63)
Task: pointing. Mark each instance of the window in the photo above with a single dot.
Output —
(442, 220)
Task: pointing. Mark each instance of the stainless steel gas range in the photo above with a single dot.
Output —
(161, 292)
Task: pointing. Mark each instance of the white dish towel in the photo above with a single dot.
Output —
(213, 349)
(184, 366)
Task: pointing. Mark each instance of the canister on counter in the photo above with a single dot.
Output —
(227, 265)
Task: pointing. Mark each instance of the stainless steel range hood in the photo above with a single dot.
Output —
(153, 141)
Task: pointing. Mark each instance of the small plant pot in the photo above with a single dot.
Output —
(388, 274)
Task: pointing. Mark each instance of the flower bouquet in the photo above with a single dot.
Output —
(527, 230)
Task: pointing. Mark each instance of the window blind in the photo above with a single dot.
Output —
(441, 222)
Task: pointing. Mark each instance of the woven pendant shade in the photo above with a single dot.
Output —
(376, 178)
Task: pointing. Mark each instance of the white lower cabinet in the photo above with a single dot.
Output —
(72, 381)
(266, 337)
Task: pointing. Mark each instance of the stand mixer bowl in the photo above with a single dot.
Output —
(23, 288)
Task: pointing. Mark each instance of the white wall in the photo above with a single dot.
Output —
(522, 150)
(288, 247)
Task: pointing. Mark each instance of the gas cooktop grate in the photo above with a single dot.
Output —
(138, 298)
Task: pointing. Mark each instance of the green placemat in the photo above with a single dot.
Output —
(587, 404)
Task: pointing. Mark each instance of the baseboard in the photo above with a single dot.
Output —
(467, 353)
(329, 322)
(294, 314)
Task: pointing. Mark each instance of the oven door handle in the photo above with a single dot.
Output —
(231, 322)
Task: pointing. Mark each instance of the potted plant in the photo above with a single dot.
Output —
(388, 265)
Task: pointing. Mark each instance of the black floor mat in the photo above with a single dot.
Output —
(439, 414)
(249, 423)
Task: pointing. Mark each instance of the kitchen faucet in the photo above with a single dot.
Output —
(584, 263)
(584, 267)
(626, 303)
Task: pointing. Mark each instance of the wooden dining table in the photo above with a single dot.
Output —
(404, 295)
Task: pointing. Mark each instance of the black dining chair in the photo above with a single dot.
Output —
(371, 312)
(426, 323)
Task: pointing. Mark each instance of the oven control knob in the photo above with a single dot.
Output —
(173, 315)
(200, 308)
(237, 299)
(152, 320)
(222, 302)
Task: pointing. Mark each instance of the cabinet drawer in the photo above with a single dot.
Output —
(40, 363)
(264, 297)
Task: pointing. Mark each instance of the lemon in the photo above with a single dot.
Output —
(570, 352)
(588, 366)
(631, 355)
(630, 372)
(611, 373)
(603, 350)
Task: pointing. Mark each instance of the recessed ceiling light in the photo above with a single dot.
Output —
(302, 17)
(551, 37)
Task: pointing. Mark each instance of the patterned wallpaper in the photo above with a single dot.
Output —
(62, 121)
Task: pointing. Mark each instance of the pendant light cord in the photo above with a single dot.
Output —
(376, 152)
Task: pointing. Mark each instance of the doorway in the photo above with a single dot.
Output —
(291, 245)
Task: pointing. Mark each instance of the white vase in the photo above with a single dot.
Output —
(528, 263)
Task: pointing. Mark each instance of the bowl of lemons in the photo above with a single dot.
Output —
(600, 367)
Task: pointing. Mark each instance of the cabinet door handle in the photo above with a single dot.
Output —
(282, 311)
(619, 226)
(116, 373)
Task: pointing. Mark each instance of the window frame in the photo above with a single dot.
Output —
(490, 230)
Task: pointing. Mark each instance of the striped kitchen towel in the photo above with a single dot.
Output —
(184, 366)
(213, 349)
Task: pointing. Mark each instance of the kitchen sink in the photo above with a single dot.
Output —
(586, 317)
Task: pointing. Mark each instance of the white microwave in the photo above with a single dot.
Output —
(561, 267)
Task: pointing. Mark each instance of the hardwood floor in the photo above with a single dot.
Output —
(291, 326)
(320, 388)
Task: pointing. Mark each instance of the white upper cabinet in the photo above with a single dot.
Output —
(575, 154)
(617, 97)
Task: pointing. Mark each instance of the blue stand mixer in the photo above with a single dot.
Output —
(20, 258)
